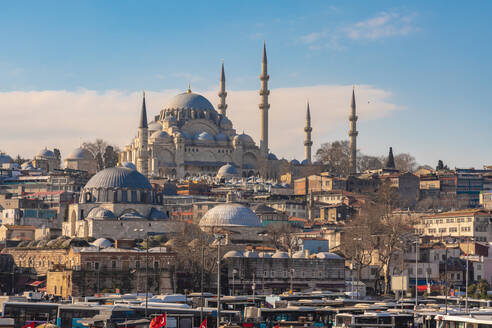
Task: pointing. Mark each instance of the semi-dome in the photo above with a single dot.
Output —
(159, 135)
(46, 153)
(327, 255)
(203, 136)
(156, 214)
(251, 254)
(100, 213)
(265, 255)
(155, 126)
(118, 177)
(280, 255)
(272, 157)
(225, 123)
(221, 137)
(230, 215)
(295, 162)
(233, 254)
(227, 171)
(4, 158)
(246, 139)
(80, 153)
(189, 100)
(128, 165)
(102, 243)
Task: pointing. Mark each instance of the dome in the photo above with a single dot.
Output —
(100, 213)
(102, 243)
(326, 255)
(227, 171)
(131, 215)
(299, 255)
(221, 137)
(280, 255)
(230, 214)
(265, 255)
(295, 162)
(304, 162)
(225, 123)
(159, 135)
(156, 214)
(233, 254)
(251, 254)
(4, 158)
(118, 177)
(246, 139)
(155, 126)
(46, 153)
(128, 165)
(203, 136)
(80, 153)
(272, 157)
(189, 100)
(27, 166)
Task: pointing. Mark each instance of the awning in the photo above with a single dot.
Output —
(36, 283)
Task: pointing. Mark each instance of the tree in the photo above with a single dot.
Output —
(336, 156)
(110, 157)
(405, 162)
(99, 160)
(19, 160)
(96, 147)
(441, 167)
(57, 153)
(282, 236)
(366, 162)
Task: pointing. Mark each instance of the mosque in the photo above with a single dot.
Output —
(191, 138)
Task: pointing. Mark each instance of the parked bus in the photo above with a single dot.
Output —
(26, 312)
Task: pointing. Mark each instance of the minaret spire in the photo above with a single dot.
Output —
(390, 162)
(308, 142)
(143, 114)
(143, 137)
(222, 93)
(353, 135)
(264, 105)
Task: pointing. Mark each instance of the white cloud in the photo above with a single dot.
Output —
(385, 24)
(35, 119)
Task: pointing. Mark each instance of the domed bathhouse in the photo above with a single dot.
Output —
(46, 160)
(118, 203)
(81, 159)
(189, 137)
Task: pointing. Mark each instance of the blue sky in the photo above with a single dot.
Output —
(432, 57)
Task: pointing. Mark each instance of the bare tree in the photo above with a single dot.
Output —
(336, 156)
(282, 236)
(99, 149)
(405, 162)
(366, 162)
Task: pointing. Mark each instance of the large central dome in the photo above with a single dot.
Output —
(230, 215)
(189, 100)
(118, 177)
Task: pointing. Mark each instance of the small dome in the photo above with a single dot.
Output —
(189, 100)
(131, 215)
(186, 135)
(221, 137)
(272, 157)
(4, 158)
(162, 135)
(265, 255)
(295, 162)
(227, 171)
(102, 243)
(251, 254)
(326, 255)
(230, 214)
(246, 139)
(100, 213)
(225, 123)
(155, 126)
(80, 153)
(299, 255)
(203, 136)
(156, 214)
(233, 254)
(280, 255)
(46, 153)
(118, 177)
(128, 165)
(304, 162)
(27, 166)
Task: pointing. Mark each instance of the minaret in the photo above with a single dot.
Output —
(308, 142)
(143, 154)
(222, 93)
(264, 106)
(390, 162)
(353, 136)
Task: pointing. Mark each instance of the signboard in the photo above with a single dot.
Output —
(399, 283)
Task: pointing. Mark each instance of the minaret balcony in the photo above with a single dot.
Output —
(222, 94)
(264, 92)
(308, 129)
(264, 106)
(353, 118)
(353, 133)
(264, 76)
(308, 143)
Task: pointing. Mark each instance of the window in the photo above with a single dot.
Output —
(156, 265)
(265, 274)
(88, 265)
(113, 264)
(96, 265)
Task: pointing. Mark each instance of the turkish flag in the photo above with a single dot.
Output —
(30, 325)
(204, 324)
(158, 322)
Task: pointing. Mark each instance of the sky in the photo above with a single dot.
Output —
(74, 71)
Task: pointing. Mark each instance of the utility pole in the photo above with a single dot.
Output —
(446, 278)
(201, 280)
(219, 238)
(147, 277)
(417, 273)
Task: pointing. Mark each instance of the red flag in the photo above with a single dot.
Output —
(30, 325)
(204, 323)
(158, 322)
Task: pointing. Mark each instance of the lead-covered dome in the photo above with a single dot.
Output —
(230, 215)
(80, 153)
(118, 177)
(100, 213)
(227, 171)
(189, 100)
(46, 153)
(203, 136)
(4, 158)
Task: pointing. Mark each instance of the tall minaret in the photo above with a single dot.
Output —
(222, 93)
(142, 153)
(264, 106)
(308, 142)
(353, 136)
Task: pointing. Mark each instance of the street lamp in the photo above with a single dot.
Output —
(219, 238)
(138, 231)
